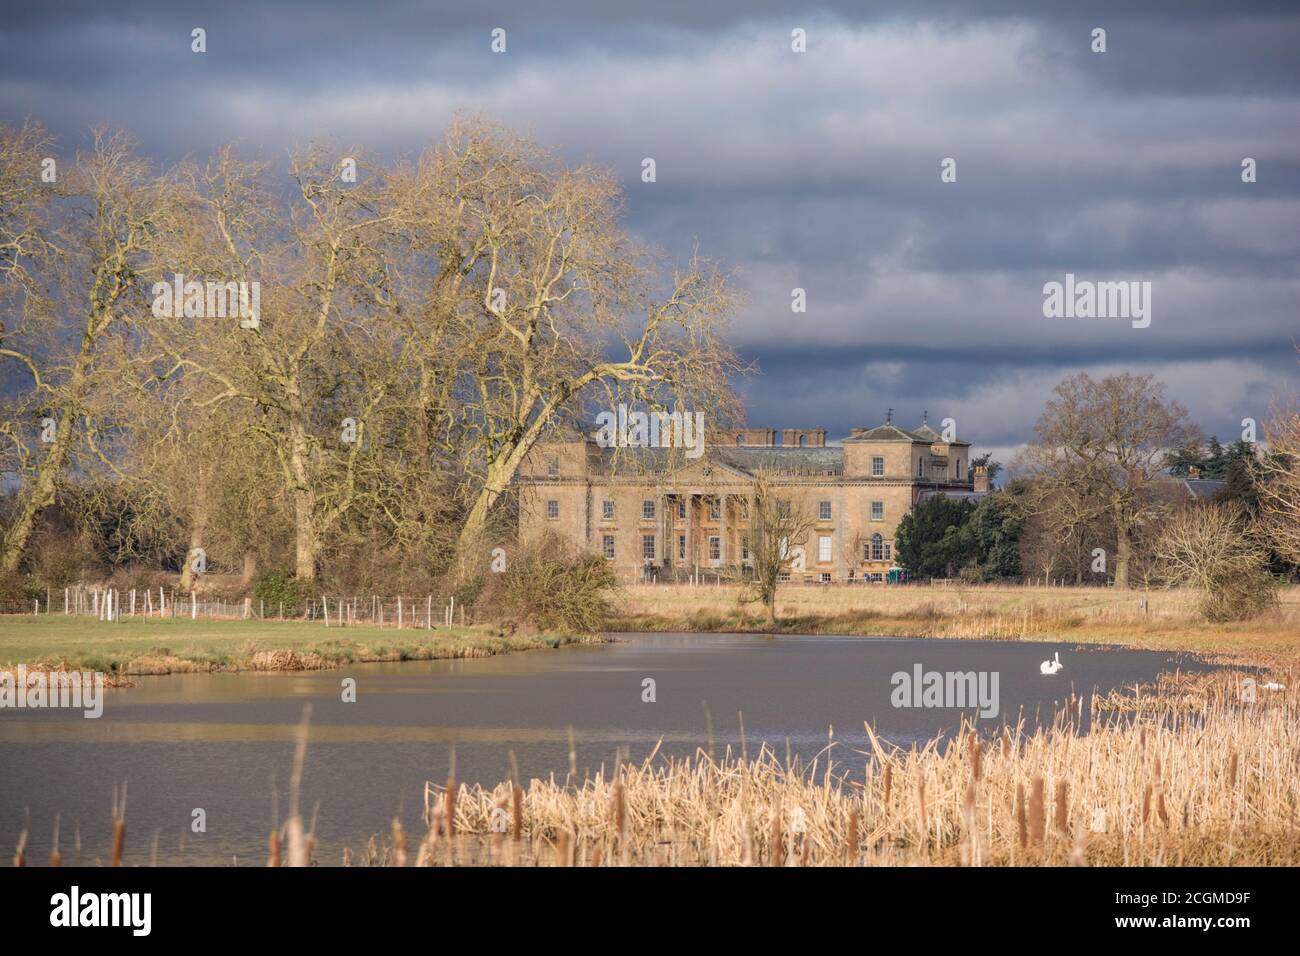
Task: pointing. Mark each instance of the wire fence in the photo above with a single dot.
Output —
(427, 612)
(113, 604)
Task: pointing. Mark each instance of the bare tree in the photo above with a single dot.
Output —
(421, 326)
(1211, 548)
(555, 303)
(1279, 487)
(777, 527)
(328, 357)
(1110, 437)
(108, 225)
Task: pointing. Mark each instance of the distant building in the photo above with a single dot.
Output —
(1197, 488)
(641, 514)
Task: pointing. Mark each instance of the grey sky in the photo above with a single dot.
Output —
(818, 170)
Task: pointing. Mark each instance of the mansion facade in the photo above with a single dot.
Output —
(655, 514)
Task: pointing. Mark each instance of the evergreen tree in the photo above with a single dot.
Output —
(934, 539)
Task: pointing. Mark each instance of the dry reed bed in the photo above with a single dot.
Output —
(1216, 786)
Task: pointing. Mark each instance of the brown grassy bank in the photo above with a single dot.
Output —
(168, 646)
(1087, 615)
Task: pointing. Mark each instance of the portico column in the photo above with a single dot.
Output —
(722, 530)
(665, 526)
(690, 538)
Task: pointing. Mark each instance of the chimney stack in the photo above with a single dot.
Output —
(981, 479)
(1194, 471)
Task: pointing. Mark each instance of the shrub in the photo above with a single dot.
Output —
(555, 587)
(280, 585)
(1212, 548)
(20, 590)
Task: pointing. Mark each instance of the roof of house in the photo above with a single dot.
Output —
(887, 432)
(780, 458)
(891, 432)
(1203, 487)
(814, 461)
(975, 496)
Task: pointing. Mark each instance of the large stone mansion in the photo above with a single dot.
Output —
(651, 518)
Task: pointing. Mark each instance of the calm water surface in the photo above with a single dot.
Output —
(224, 742)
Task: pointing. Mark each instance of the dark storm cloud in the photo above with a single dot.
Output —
(817, 171)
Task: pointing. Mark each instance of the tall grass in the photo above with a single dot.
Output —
(1168, 619)
(1163, 785)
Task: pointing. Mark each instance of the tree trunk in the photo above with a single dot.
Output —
(250, 568)
(499, 474)
(1123, 548)
(305, 538)
(45, 486)
(40, 498)
(196, 544)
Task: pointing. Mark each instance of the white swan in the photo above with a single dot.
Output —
(1273, 685)
(1052, 666)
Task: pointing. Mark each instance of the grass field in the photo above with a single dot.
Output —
(154, 646)
(1094, 615)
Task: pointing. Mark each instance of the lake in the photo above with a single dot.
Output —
(224, 742)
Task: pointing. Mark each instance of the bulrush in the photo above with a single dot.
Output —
(449, 811)
(971, 841)
(119, 839)
(777, 854)
(728, 810)
(922, 814)
(731, 812)
(618, 810)
(1036, 819)
(1062, 808)
(399, 843)
(851, 843)
(119, 826)
(1021, 821)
